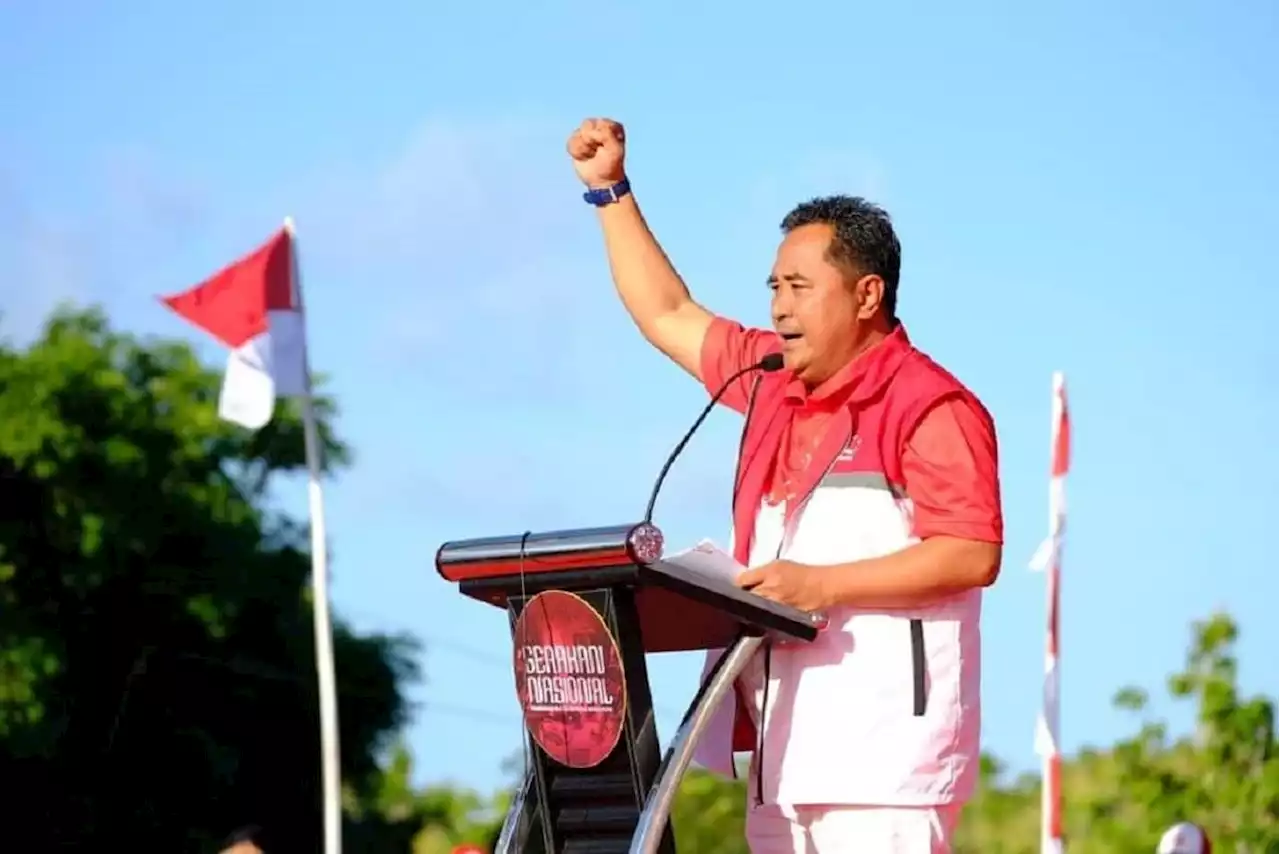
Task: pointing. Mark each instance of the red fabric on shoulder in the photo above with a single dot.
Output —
(951, 472)
(728, 348)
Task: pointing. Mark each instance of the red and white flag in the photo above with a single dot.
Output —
(1048, 558)
(253, 307)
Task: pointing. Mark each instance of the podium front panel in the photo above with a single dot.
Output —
(587, 802)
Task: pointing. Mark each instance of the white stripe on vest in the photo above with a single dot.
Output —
(840, 727)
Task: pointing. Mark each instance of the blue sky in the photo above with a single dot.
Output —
(1088, 187)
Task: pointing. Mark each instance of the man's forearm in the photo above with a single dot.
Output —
(934, 569)
(649, 286)
(646, 280)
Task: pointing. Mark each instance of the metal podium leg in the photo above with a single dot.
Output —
(516, 826)
(657, 809)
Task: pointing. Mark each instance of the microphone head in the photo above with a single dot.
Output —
(771, 363)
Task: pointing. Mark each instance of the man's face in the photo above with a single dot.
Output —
(821, 316)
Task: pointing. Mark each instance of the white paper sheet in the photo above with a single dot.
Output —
(707, 559)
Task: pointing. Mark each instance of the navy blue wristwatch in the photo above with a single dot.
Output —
(608, 195)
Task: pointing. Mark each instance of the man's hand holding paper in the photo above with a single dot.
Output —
(796, 584)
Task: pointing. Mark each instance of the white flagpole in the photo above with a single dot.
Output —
(325, 676)
(1048, 558)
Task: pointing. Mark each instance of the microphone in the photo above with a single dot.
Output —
(770, 363)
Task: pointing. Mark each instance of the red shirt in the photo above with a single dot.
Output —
(949, 461)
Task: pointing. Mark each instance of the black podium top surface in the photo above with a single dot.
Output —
(679, 609)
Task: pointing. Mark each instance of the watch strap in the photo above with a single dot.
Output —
(607, 195)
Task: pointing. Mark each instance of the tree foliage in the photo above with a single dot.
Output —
(709, 814)
(1222, 776)
(157, 676)
(1116, 801)
(428, 820)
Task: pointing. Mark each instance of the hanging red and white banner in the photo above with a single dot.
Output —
(1048, 558)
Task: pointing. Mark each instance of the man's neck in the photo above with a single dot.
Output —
(870, 340)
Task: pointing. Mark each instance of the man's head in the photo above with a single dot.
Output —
(834, 283)
(1185, 838)
(246, 840)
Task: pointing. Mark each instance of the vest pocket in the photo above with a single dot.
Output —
(919, 676)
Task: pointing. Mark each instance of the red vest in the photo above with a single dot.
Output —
(892, 388)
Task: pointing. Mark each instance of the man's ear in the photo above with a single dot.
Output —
(869, 292)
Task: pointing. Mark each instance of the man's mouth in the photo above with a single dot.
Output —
(789, 337)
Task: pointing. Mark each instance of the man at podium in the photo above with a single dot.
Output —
(867, 489)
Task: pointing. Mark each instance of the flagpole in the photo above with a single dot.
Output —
(325, 675)
(1050, 760)
(1050, 748)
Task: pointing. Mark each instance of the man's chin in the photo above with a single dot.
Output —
(807, 372)
(797, 363)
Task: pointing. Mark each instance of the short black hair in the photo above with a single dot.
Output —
(250, 833)
(864, 239)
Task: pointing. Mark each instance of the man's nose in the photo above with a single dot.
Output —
(780, 305)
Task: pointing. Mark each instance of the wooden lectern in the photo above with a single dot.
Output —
(622, 804)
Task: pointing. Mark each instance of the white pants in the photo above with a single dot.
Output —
(774, 829)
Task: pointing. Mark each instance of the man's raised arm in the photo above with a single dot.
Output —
(650, 288)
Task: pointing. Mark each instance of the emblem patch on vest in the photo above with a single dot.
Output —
(846, 456)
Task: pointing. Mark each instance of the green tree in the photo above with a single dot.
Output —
(157, 668)
(1004, 817)
(1222, 776)
(394, 815)
(1118, 801)
(709, 814)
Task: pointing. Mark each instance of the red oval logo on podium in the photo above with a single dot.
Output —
(569, 679)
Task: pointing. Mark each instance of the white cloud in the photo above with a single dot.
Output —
(467, 266)
(464, 273)
(126, 223)
(459, 196)
(460, 256)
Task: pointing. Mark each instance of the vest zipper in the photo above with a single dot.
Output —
(918, 663)
(733, 509)
(768, 645)
(804, 499)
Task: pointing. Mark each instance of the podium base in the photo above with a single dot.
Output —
(523, 831)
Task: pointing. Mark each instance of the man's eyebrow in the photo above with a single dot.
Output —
(787, 277)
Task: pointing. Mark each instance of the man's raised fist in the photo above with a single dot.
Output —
(598, 148)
